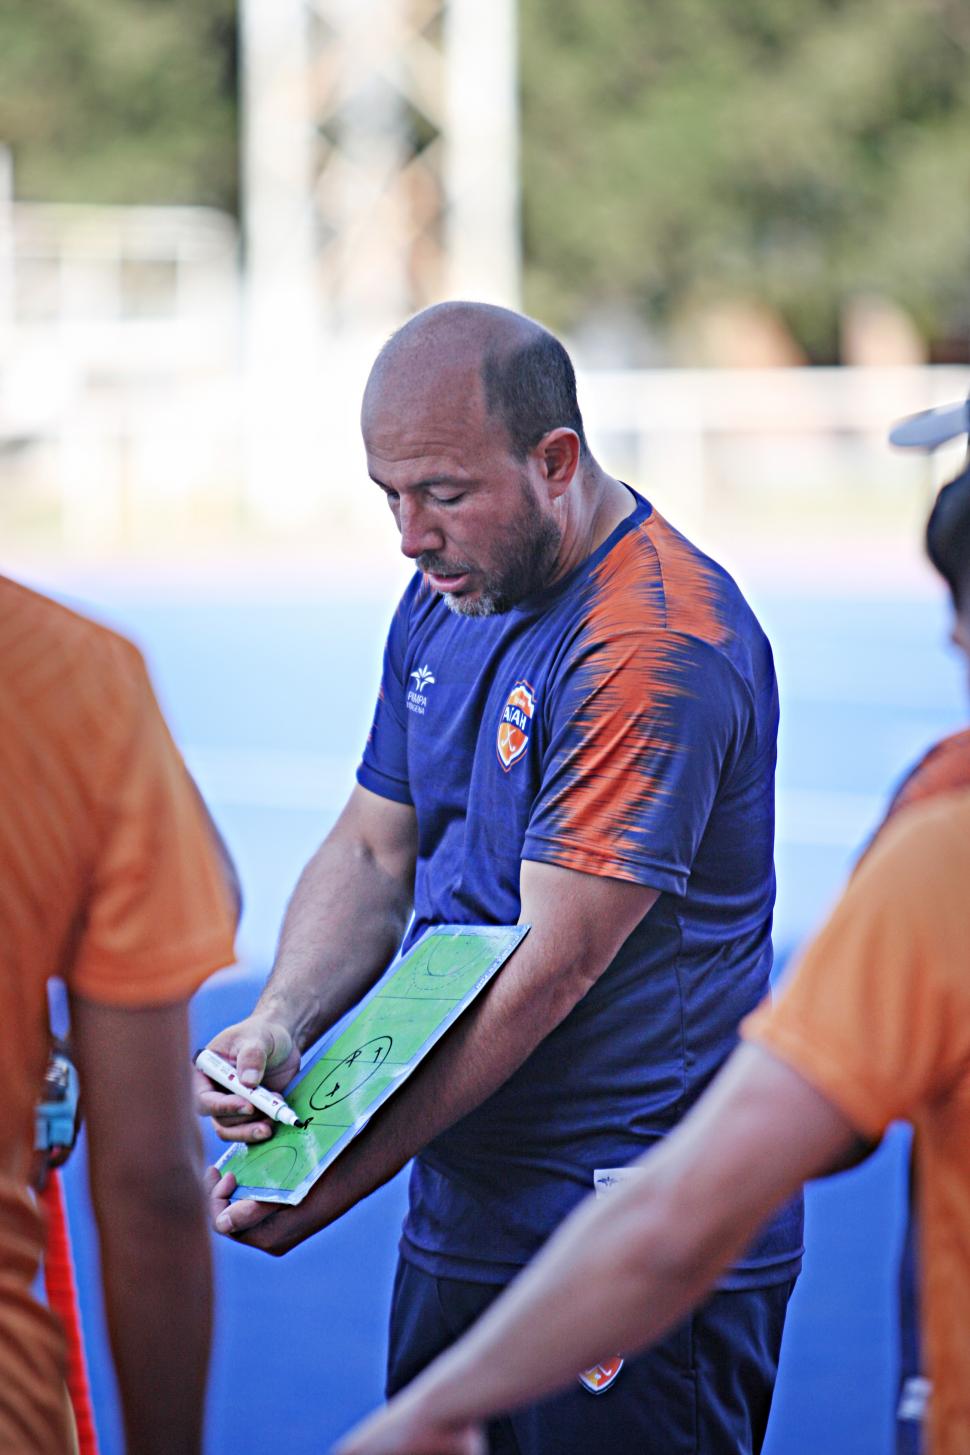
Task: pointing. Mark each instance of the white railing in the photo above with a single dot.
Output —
(118, 429)
(125, 443)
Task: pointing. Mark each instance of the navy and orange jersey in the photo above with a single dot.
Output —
(622, 723)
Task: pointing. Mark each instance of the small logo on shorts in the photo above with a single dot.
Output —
(598, 1379)
(513, 728)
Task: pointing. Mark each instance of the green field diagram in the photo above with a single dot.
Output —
(356, 1069)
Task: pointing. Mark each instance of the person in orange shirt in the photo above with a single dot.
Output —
(110, 879)
(944, 768)
(873, 1026)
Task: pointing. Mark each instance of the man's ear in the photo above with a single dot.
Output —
(557, 455)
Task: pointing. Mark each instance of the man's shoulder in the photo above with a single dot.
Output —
(702, 597)
(656, 587)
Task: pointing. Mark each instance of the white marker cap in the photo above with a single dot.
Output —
(931, 428)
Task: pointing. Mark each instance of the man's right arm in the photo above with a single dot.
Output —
(344, 922)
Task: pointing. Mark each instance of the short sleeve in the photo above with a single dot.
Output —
(644, 729)
(159, 914)
(876, 1014)
(384, 766)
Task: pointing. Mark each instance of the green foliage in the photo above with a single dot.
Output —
(675, 152)
(791, 152)
(120, 100)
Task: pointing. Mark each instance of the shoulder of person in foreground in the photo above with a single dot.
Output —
(943, 768)
(876, 1011)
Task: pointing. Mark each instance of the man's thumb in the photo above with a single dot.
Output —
(251, 1056)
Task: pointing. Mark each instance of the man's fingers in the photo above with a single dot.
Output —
(236, 1217)
(234, 1118)
(229, 1217)
(241, 1129)
(211, 1178)
(219, 1188)
(213, 1101)
(223, 1184)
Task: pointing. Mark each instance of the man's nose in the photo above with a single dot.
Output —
(418, 531)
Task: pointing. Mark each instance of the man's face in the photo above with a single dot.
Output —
(470, 514)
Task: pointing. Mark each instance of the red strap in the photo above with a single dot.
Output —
(62, 1298)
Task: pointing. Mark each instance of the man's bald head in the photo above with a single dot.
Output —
(526, 377)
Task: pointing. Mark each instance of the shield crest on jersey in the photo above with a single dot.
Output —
(514, 724)
(598, 1379)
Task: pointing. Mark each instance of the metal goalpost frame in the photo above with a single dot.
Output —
(380, 174)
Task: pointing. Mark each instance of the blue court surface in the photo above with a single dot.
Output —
(270, 697)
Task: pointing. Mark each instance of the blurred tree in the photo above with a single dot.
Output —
(788, 153)
(120, 100)
(678, 155)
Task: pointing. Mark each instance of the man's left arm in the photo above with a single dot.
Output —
(579, 921)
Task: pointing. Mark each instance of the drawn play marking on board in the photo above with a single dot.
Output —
(451, 959)
(354, 1071)
(350, 1073)
(275, 1163)
(445, 970)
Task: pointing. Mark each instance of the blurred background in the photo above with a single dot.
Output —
(750, 222)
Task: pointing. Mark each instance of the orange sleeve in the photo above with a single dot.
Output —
(876, 1014)
(159, 916)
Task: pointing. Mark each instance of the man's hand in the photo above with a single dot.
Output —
(263, 1053)
(233, 1218)
(401, 1428)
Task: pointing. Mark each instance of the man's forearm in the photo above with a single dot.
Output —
(343, 924)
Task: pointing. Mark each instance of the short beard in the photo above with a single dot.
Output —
(530, 550)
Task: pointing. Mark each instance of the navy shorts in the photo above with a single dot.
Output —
(704, 1390)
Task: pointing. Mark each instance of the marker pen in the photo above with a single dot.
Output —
(211, 1064)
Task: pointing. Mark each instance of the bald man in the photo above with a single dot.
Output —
(576, 730)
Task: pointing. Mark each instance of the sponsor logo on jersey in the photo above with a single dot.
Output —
(513, 728)
(417, 700)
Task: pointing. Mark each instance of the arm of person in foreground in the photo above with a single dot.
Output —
(623, 1270)
(579, 921)
(146, 1188)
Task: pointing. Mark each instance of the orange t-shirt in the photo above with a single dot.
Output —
(876, 1015)
(109, 879)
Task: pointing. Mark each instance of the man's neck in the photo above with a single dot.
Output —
(593, 514)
